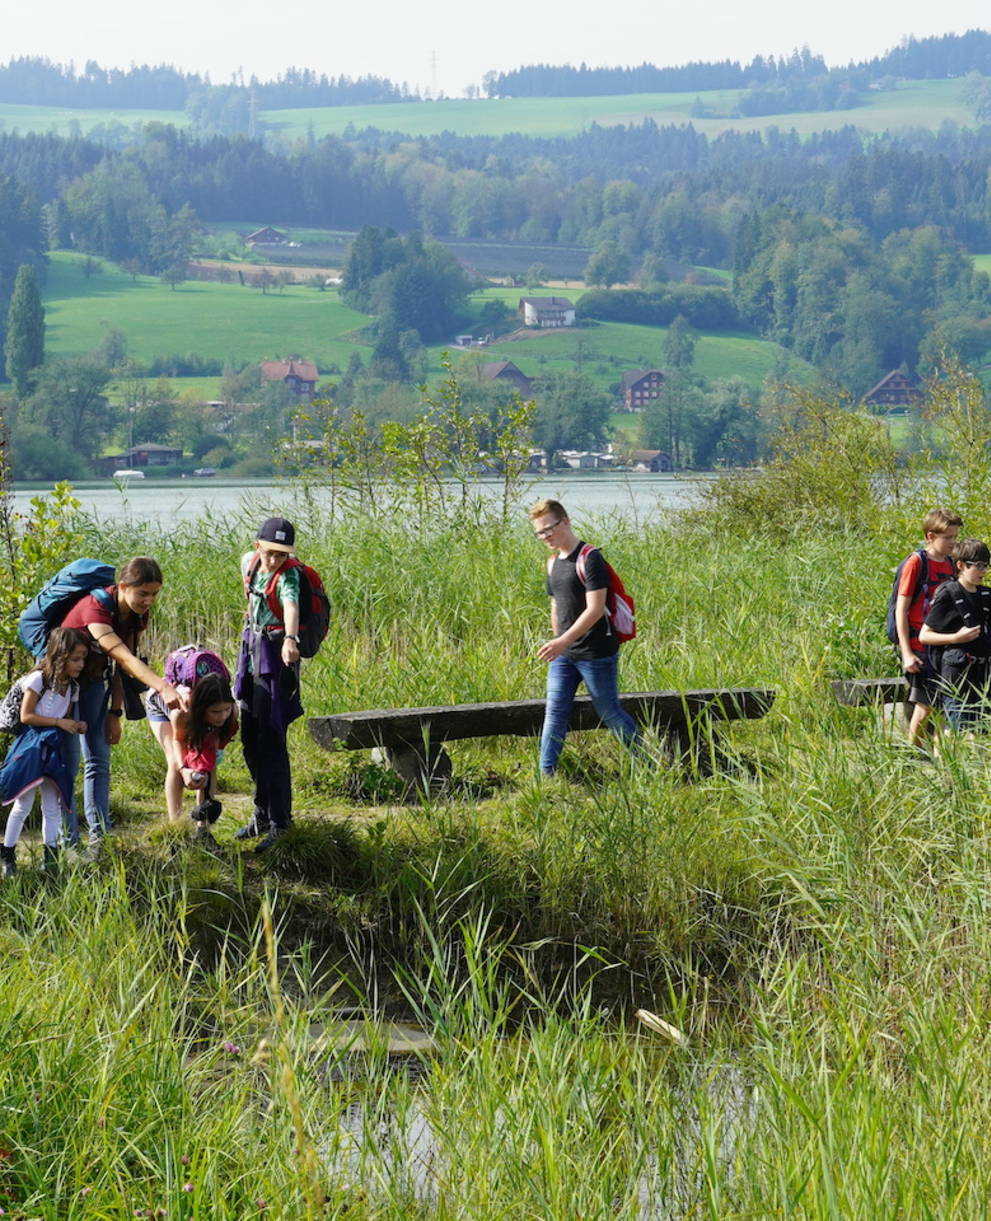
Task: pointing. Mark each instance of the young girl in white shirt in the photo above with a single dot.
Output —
(37, 757)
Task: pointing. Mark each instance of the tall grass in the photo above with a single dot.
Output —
(815, 922)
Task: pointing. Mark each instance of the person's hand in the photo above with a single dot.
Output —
(967, 634)
(172, 699)
(553, 648)
(112, 729)
(290, 652)
(192, 779)
(911, 662)
(71, 726)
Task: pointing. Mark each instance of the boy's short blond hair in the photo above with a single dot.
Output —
(543, 507)
(938, 521)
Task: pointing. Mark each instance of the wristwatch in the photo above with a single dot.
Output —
(115, 712)
(294, 639)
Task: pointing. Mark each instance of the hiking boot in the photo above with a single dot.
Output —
(203, 838)
(8, 867)
(207, 811)
(51, 859)
(274, 834)
(259, 825)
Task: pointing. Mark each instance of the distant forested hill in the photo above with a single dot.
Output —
(38, 81)
(784, 81)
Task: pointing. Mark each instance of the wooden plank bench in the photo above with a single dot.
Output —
(888, 694)
(412, 739)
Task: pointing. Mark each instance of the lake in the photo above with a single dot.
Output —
(635, 494)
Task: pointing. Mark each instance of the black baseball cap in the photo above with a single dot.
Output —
(277, 534)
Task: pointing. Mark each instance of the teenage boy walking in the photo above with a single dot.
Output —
(957, 635)
(583, 647)
(914, 596)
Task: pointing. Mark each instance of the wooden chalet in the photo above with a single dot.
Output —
(300, 376)
(895, 389)
(639, 386)
(506, 371)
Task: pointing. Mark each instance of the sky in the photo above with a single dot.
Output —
(443, 45)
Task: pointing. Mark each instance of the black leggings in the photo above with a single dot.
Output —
(267, 756)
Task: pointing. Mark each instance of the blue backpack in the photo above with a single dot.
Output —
(58, 596)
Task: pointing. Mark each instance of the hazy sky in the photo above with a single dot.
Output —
(449, 45)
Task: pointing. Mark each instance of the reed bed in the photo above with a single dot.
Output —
(815, 922)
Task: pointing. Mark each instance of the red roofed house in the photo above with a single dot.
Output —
(300, 376)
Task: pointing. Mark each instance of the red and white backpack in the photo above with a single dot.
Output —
(621, 610)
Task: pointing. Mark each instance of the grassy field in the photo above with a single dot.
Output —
(913, 104)
(207, 1036)
(67, 121)
(233, 323)
(224, 321)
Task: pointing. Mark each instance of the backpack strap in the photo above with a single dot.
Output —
(581, 564)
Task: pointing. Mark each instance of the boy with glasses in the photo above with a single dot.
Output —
(957, 635)
(583, 647)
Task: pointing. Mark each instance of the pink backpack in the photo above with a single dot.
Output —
(186, 666)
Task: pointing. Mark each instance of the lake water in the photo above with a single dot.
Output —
(635, 495)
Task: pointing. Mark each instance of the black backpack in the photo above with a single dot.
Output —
(922, 585)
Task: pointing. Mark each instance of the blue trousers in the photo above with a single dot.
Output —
(94, 699)
(601, 677)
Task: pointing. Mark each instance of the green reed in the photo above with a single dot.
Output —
(816, 922)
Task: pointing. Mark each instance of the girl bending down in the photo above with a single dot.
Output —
(198, 739)
(38, 756)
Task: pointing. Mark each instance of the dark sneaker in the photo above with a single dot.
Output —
(252, 830)
(274, 834)
(8, 866)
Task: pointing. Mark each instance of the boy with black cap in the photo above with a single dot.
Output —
(267, 679)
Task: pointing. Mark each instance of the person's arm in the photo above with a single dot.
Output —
(117, 650)
(963, 635)
(290, 618)
(29, 701)
(595, 608)
(911, 661)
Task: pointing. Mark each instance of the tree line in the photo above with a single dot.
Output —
(36, 80)
(916, 58)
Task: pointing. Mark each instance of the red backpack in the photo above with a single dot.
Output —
(621, 610)
(314, 605)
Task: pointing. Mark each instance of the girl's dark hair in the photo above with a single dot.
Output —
(61, 643)
(140, 570)
(211, 689)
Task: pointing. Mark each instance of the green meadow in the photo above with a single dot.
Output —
(229, 322)
(913, 104)
(236, 324)
(925, 104)
(68, 121)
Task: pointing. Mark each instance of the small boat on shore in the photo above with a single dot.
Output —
(128, 472)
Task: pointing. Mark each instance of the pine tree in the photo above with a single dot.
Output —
(24, 349)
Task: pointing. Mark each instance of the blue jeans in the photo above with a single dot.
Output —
(94, 699)
(601, 678)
